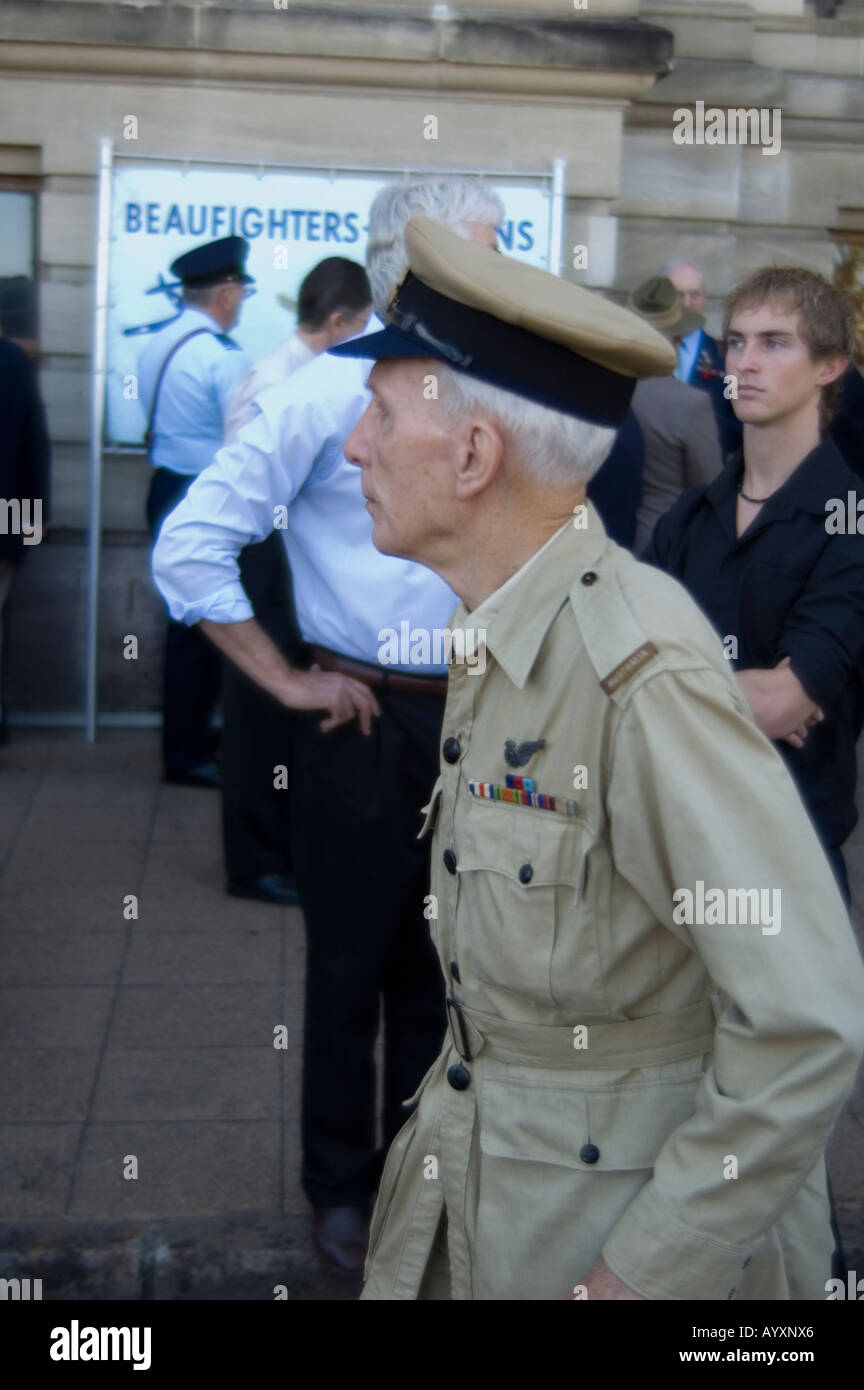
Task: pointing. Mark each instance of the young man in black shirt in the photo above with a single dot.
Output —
(762, 551)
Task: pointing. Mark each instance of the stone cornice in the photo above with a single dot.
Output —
(326, 46)
(273, 70)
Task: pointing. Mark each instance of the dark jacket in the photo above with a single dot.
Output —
(616, 488)
(25, 453)
(847, 427)
(709, 374)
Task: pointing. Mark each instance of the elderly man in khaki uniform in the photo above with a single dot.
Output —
(655, 998)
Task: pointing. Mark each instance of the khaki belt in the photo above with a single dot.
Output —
(377, 676)
(633, 1042)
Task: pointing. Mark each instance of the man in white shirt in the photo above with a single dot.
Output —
(333, 303)
(361, 773)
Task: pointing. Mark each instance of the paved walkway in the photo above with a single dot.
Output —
(151, 1038)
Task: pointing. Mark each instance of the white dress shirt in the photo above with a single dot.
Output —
(195, 393)
(272, 370)
(286, 468)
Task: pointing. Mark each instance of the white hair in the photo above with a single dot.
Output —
(455, 202)
(554, 448)
(678, 264)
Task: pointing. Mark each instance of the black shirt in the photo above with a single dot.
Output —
(847, 427)
(785, 587)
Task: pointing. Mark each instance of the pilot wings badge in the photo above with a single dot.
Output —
(518, 754)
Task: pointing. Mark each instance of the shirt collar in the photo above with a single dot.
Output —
(820, 475)
(190, 310)
(518, 615)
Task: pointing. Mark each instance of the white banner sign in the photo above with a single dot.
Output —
(291, 221)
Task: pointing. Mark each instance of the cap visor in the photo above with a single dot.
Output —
(390, 342)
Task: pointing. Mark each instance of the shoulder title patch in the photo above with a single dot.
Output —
(628, 667)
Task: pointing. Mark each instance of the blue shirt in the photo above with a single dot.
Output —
(688, 351)
(196, 389)
(286, 469)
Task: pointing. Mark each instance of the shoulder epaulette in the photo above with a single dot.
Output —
(617, 646)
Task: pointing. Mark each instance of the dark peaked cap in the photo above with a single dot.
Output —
(214, 263)
(515, 327)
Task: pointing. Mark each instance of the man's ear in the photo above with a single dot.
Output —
(830, 368)
(479, 459)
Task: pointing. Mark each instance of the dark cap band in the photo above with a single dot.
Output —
(423, 323)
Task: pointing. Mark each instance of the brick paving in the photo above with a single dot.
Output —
(152, 1038)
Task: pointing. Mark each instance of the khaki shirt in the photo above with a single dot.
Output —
(596, 1107)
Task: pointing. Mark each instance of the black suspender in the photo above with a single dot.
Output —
(148, 436)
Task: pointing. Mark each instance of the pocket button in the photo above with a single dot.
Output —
(459, 1077)
(451, 750)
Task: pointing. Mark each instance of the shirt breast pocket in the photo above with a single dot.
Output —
(523, 924)
(769, 593)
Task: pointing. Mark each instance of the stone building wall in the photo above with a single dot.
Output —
(513, 83)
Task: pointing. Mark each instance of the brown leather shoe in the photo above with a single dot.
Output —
(342, 1235)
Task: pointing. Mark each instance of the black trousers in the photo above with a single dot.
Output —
(835, 858)
(193, 667)
(258, 732)
(362, 878)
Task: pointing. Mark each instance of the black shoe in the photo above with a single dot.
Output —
(342, 1236)
(204, 775)
(269, 888)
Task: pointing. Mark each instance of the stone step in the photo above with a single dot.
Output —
(235, 1257)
